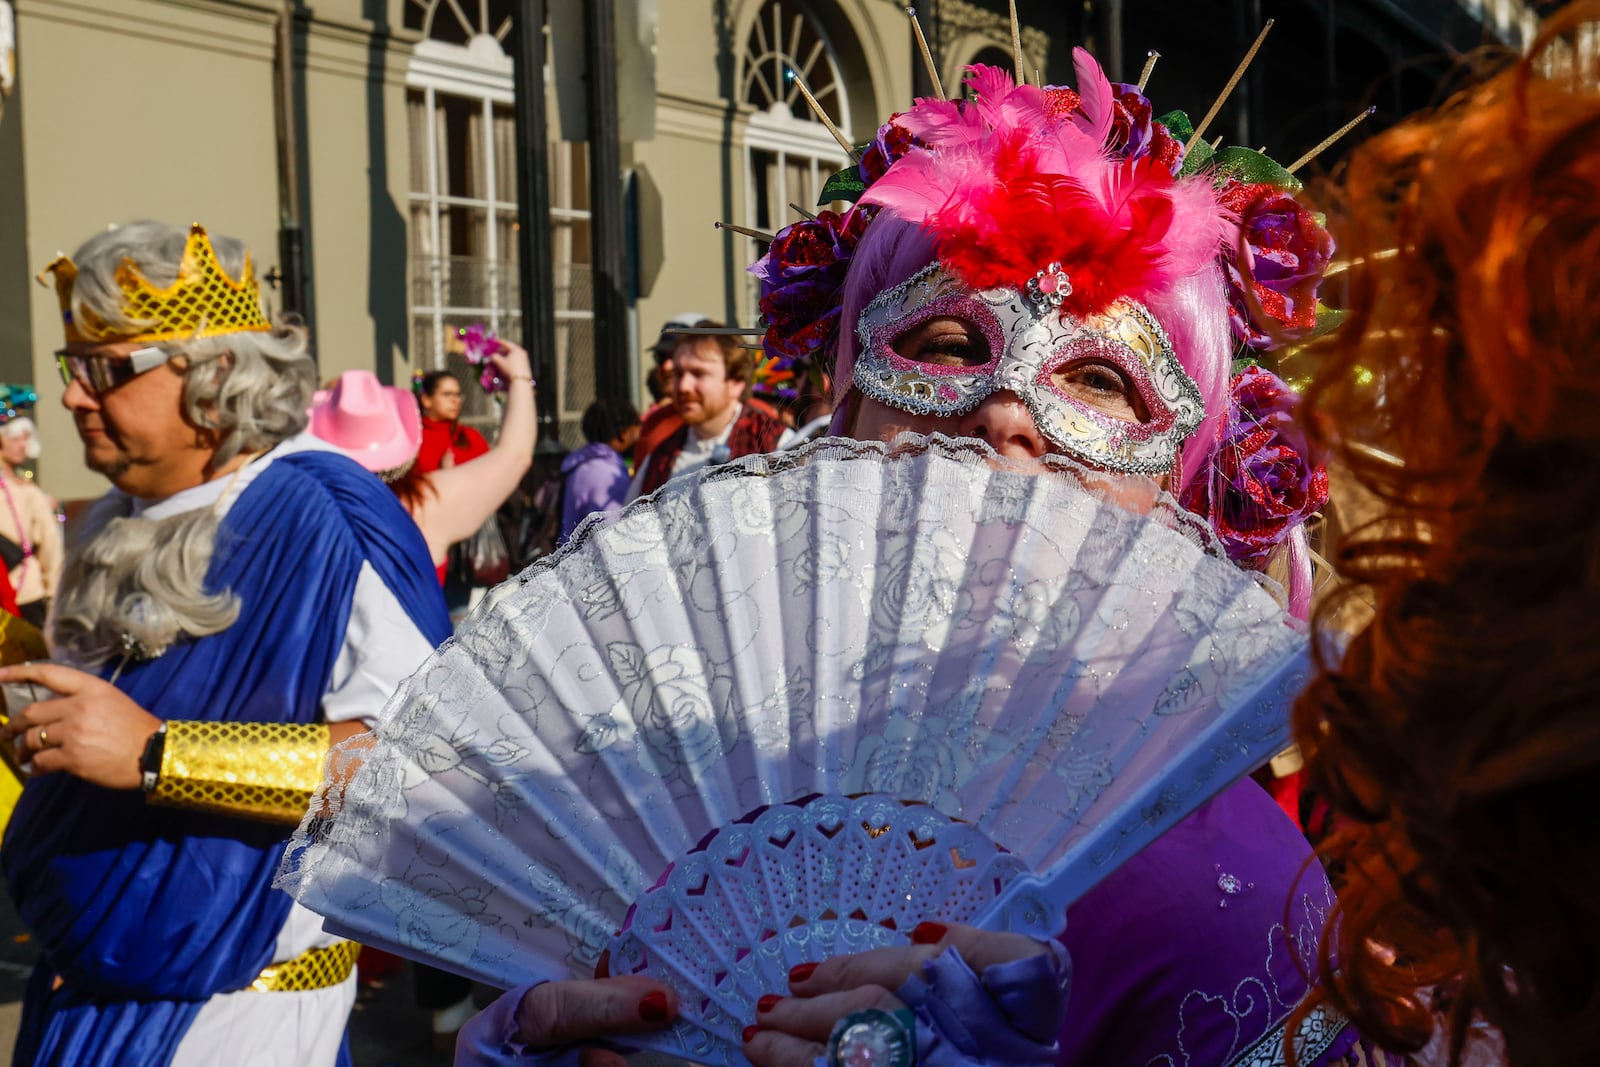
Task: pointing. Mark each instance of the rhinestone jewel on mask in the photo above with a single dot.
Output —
(1049, 288)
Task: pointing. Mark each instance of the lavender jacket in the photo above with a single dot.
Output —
(597, 480)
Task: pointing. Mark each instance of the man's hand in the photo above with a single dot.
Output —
(90, 728)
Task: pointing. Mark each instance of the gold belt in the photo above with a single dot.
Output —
(316, 969)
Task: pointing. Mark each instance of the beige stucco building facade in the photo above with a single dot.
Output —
(388, 135)
(400, 114)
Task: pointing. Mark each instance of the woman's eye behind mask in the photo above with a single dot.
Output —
(949, 342)
(1108, 390)
(944, 342)
(1102, 387)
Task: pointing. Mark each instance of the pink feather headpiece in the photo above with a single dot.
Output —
(1018, 178)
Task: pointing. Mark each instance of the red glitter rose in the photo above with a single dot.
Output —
(1135, 133)
(1262, 482)
(1288, 250)
(802, 282)
(892, 142)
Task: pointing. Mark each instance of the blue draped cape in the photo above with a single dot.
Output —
(144, 912)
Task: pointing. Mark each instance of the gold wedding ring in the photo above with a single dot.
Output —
(44, 738)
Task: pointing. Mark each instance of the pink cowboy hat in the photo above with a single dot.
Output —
(374, 424)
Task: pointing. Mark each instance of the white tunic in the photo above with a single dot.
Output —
(381, 648)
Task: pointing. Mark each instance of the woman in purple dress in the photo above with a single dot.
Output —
(1454, 734)
(1028, 269)
(1195, 951)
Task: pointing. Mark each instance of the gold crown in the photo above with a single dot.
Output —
(202, 302)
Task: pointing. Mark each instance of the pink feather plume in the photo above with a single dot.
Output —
(1006, 189)
(1095, 98)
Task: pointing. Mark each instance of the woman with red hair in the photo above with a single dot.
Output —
(1457, 734)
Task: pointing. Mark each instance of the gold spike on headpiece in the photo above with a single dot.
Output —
(755, 235)
(1328, 141)
(822, 116)
(202, 302)
(1016, 45)
(1149, 65)
(1222, 97)
(927, 56)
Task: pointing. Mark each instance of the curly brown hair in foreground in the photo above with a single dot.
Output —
(1459, 733)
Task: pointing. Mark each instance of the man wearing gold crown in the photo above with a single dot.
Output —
(240, 599)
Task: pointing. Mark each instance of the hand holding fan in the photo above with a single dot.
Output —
(791, 706)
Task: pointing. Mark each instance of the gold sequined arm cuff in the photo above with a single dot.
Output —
(253, 770)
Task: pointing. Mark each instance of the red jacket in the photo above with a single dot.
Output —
(753, 432)
(662, 421)
(8, 595)
(438, 437)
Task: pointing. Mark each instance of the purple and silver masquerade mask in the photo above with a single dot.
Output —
(1030, 339)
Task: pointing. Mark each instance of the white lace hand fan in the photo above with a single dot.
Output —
(658, 741)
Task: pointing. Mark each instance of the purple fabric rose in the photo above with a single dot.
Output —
(802, 284)
(1262, 482)
(892, 142)
(1134, 131)
(1131, 121)
(1288, 251)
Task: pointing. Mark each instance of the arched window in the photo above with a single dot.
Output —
(995, 56)
(449, 21)
(463, 203)
(788, 153)
(969, 33)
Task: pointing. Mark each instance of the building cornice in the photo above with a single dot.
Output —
(695, 118)
(149, 21)
(152, 20)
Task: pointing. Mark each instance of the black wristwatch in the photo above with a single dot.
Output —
(150, 762)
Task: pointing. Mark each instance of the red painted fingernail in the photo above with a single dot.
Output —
(653, 1008)
(929, 933)
(800, 972)
(768, 1002)
(750, 1033)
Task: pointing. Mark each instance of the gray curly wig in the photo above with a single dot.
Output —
(136, 583)
(252, 388)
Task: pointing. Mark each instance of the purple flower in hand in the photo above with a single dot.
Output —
(477, 345)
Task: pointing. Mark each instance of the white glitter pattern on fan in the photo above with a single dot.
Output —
(1062, 659)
